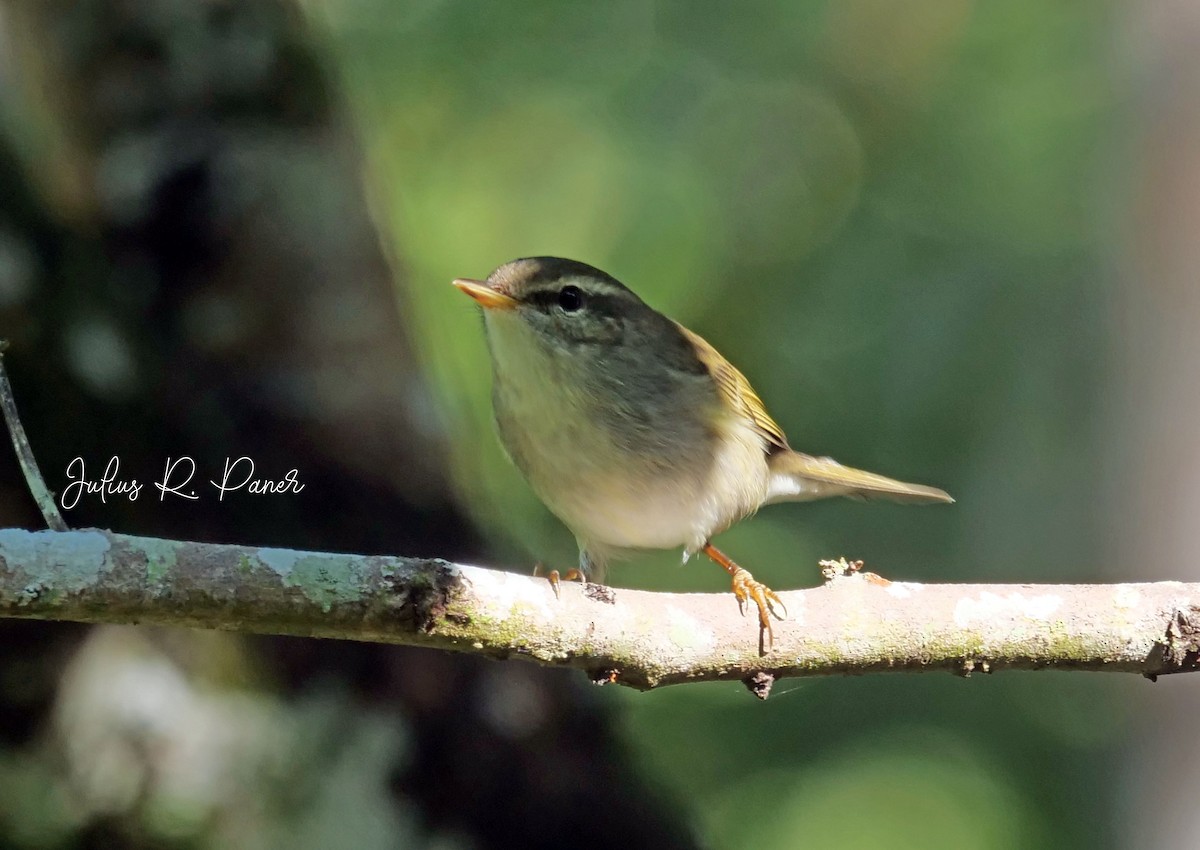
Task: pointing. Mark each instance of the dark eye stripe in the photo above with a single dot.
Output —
(601, 302)
(543, 299)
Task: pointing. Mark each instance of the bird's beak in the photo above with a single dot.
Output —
(488, 296)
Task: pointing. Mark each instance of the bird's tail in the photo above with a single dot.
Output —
(797, 477)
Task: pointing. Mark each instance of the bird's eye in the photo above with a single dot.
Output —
(570, 298)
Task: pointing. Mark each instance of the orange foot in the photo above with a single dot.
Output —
(745, 586)
(554, 579)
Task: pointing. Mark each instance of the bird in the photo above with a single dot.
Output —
(634, 431)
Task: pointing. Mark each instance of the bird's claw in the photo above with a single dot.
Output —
(553, 577)
(745, 587)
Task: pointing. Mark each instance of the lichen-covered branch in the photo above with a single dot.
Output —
(852, 624)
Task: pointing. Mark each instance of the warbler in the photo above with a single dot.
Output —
(633, 430)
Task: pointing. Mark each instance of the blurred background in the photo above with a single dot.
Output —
(950, 241)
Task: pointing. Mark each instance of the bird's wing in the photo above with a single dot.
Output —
(734, 387)
(796, 476)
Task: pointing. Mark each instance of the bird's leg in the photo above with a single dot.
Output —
(745, 586)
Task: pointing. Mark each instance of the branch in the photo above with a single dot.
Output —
(33, 476)
(853, 624)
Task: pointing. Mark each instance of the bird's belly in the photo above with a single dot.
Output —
(605, 494)
(626, 503)
(664, 514)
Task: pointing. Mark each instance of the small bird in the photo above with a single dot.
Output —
(633, 430)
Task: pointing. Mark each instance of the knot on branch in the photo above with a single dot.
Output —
(760, 683)
(1179, 651)
(425, 601)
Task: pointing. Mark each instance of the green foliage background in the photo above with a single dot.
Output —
(900, 221)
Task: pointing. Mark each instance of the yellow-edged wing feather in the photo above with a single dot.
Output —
(733, 385)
